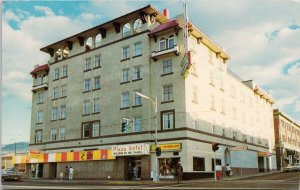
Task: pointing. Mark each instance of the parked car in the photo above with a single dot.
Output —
(296, 168)
(288, 168)
(10, 175)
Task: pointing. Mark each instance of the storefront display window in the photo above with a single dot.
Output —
(198, 164)
(167, 166)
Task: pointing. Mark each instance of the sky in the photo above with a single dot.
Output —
(262, 38)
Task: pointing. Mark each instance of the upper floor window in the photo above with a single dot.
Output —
(137, 26)
(98, 40)
(168, 120)
(86, 107)
(89, 43)
(61, 133)
(88, 64)
(65, 71)
(91, 129)
(171, 41)
(38, 136)
(137, 98)
(97, 61)
(125, 75)
(39, 118)
(87, 85)
(54, 134)
(137, 124)
(210, 56)
(137, 48)
(167, 92)
(167, 66)
(125, 100)
(213, 102)
(126, 29)
(40, 97)
(56, 74)
(63, 112)
(96, 107)
(137, 72)
(55, 94)
(64, 90)
(54, 114)
(126, 53)
(97, 82)
(162, 44)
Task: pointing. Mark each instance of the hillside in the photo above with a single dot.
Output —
(21, 147)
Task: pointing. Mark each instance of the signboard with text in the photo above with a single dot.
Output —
(237, 148)
(167, 147)
(131, 149)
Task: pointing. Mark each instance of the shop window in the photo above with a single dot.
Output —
(198, 164)
(218, 163)
(167, 166)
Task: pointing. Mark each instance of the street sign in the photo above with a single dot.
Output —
(237, 148)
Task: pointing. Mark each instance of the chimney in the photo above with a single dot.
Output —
(166, 13)
(36, 66)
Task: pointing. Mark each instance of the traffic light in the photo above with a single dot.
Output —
(215, 146)
(158, 151)
(124, 126)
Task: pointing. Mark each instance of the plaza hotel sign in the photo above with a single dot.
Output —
(131, 149)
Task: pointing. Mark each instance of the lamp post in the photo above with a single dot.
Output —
(154, 103)
(15, 145)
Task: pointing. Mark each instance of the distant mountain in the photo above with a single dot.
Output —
(21, 147)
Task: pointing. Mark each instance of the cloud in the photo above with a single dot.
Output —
(46, 10)
(11, 16)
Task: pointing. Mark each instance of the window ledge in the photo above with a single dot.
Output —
(137, 56)
(96, 89)
(64, 77)
(62, 119)
(86, 114)
(55, 99)
(87, 70)
(95, 113)
(86, 91)
(135, 106)
(194, 74)
(97, 67)
(125, 59)
(194, 101)
(213, 109)
(169, 101)
(212, 84)
(55, 79)
(124, 108)
(222, 89)
(125, 82)
(63, 97)
(39, 123)
(165, 74)
(40, 103)
(54, 120)
(137, 79)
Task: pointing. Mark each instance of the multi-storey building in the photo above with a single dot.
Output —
(287, 139)
(87, 89)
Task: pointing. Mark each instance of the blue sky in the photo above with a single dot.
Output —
(261, 36)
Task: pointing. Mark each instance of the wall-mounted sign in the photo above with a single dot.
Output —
(237, 148)
(131, 149)
(167, 147)
(264, 154)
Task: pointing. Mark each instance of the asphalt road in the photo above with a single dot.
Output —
(284, 181)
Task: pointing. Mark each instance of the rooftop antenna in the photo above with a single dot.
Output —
(186, 21)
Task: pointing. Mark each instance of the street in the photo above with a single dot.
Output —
(274, 181)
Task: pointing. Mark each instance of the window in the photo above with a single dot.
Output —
(38, 136)
(250, 101)
(168, 120)
(126, 29)
(97, 61)
(97, 82)
(137, 124)
(210, 54)
(167, 66)
(213, 102)
(244, 137)
(243, 117)
(88, 64)
(125, 100)
(223, 107)
(39, 118)
(137, 48)
(194, 126)
(55, 94)
(63, 90)
(126, 52)
(86, 107)
(137, 98)
(234, 135)
(87, 130)
(198, 164)
(232, 91)
(162, 44)
(54, 114)
(63, 112)
(61, 133)
(96, 129)
(234, 112)
(40, 97)
(137, 26)
(171, 42)
(96, 107)
(242, 100)
(167, 92)
(56, 74)
(221, 83)
(212, 78)
(65, 71)
(53, 134)
(87, 85)
(137, 72)
(98, 40)
(125, 75)
(89, 43)
(91, 129)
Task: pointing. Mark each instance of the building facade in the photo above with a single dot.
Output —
(86, 114)
(287, 139)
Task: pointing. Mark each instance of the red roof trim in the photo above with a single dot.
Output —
(40, 68)
(164, 26)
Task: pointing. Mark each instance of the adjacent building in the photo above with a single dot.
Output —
(86, 114)
(287, 139)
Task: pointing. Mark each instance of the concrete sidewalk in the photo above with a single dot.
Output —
(139, 182)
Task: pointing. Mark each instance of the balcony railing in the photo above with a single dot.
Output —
(43, 86)
(156, 54)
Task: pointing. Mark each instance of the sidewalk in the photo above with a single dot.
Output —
(139, 182)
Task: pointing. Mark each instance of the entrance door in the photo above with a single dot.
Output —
(132, 168)
(268, 164)
(261, 165)
(53, 170)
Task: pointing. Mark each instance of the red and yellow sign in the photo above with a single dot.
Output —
(167, 147)
(264, 154)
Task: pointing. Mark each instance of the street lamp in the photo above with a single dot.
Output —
(15, 145)
(154, 103)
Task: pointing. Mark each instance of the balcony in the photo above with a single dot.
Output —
(38, 87)
(156, 54)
